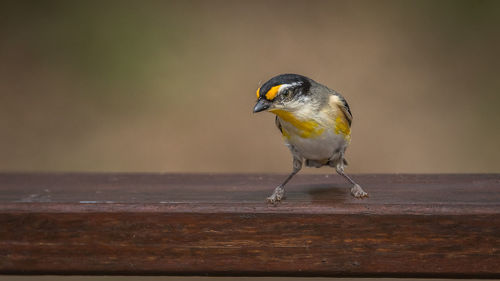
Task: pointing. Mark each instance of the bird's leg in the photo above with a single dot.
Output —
(279, 191)
(356, 190)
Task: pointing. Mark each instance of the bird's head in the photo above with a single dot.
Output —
(284, 92)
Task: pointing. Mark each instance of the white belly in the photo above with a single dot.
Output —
(322, 147)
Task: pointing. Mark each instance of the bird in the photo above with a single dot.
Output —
(315, 122)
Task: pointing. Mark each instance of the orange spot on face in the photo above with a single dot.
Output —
(258, 93)
(271, 94)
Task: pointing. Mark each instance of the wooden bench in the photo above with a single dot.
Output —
(195, 224)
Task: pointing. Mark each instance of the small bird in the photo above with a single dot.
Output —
(315, 122)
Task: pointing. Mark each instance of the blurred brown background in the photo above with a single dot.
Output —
(169, 86)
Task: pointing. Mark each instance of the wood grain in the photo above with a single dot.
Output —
(182, 224)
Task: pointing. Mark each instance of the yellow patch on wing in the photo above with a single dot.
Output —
(341, 122)
(307, 129)
(258, 93)
(271, 94)
(342, 126)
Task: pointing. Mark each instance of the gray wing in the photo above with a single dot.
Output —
(344, 106)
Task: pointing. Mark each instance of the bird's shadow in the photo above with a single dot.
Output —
(325, 193)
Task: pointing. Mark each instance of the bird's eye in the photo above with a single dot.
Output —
(287, 93)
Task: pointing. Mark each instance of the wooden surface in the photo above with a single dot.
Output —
(412, 225)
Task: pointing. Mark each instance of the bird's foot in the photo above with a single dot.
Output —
(278, 194)
(358, 192)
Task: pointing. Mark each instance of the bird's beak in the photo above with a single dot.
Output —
(262, 104)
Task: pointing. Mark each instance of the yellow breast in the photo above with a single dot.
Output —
(312, 128)
(308, 128)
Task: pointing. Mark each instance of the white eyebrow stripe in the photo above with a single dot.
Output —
(286, 86)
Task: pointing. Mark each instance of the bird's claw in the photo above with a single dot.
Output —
(278, 194)
(358, 192)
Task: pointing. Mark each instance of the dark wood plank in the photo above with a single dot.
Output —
(412, 225)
